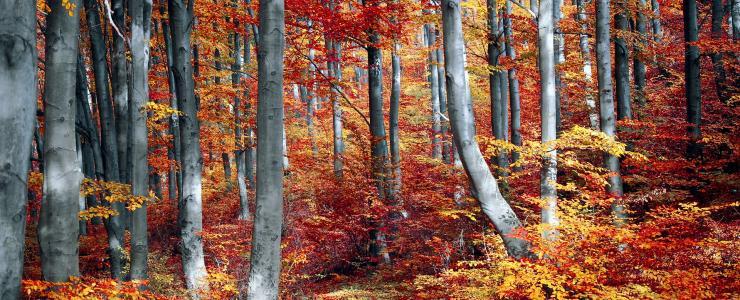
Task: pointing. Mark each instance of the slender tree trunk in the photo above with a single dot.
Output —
(241, 178)
(492, 203)
(140, 11)
(735, 14)
(559, 57)
(431, 38)
(264, 275)
(637, 60)
(225, 159)
(394, 137)
(718, 15)
(58, 227)
(593, 115)
(446, 142)
(335, 72)
(494, 82)
(175, 176)
(190, 204)
(114, 224)
(657, 27)
(692, 78)
(548, 113)
(622, 65)
(514, 94)
(311, 104)
(120, 90)
(606, 101)
(18, 91)
(250, 154)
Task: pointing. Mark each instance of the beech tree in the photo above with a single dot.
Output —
(548, 112)
(58, 226)
(18, 98)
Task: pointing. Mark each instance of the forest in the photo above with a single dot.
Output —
(369, 149)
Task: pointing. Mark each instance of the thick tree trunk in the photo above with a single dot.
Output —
(606, 100)
(492, 203)
(431, 38)
(692, 77)
(593, 115)
(114, 224)
(264, 275)
(120, 89)
(140, 11)
(18, 91)
(190, 204)
(622, 65)
(58, 226)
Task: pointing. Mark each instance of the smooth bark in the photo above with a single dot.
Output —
(593, 115)
(431, 38)
(58, 227)
(548, 113)
(264, 275)
(692, 77)
(622, 65)
(18, 91)
(492, 203)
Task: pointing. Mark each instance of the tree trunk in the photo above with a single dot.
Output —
(446, 142)
(394, 137)
(606, 101)
(175, 176)
(593, 115)
(657, 29)
(58, 227)
(264, 275)
(622, 65)
(140, 11)
(18, 89)
(431, 38)
(241, 179)
(514, 94)
(114, 224)
(492, 203)
(735, 14)
(718, 15)
(250, 154)
(120, 89)
(335, 72)
(548, 113)
(190, 204)
(637, 61)
(692, 78)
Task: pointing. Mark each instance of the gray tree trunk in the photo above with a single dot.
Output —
(492, 203)
(606, 100)
(622, 65)
(692, 77)
(264, 275)
(141, 12)
(446, 142)
(18, 91)
(335, 72)
(431, 38)
(548, 113)
(250, 154)
(241, 178)
(657, 28)
(58, 227)
(175, 176)
(735, 14)
(120, 89)
(394, 137)
(114, 225)
(191, 211)
(514, 94)
(593, 115)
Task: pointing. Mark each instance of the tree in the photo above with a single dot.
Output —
(548, 112)
(692, 77)
(120, 88)
(606, 101)
(593, 115)
(140, 11)
(514, 95)
(190, 203)
(431, 38)
(492, 203)
(621, 65)
(496, 84)
(718, 14)
(264, 274)
(239, 155)
(58, 224)
(18, 98)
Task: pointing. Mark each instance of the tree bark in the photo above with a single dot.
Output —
(606, 101)
(241, 179)
(58, 227)
(622, 65)
(18, 91)
(431, 38)
(191, 211)
(637, 61)
(120, 89)
(492, 203)
(140, 11)
(692, 78)
(394, 137)
(718, 15)
(175, 176)
(335, 72)
(514, 94)
(548, 113)
(657, 28)
(593, 115)
(264, 275)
